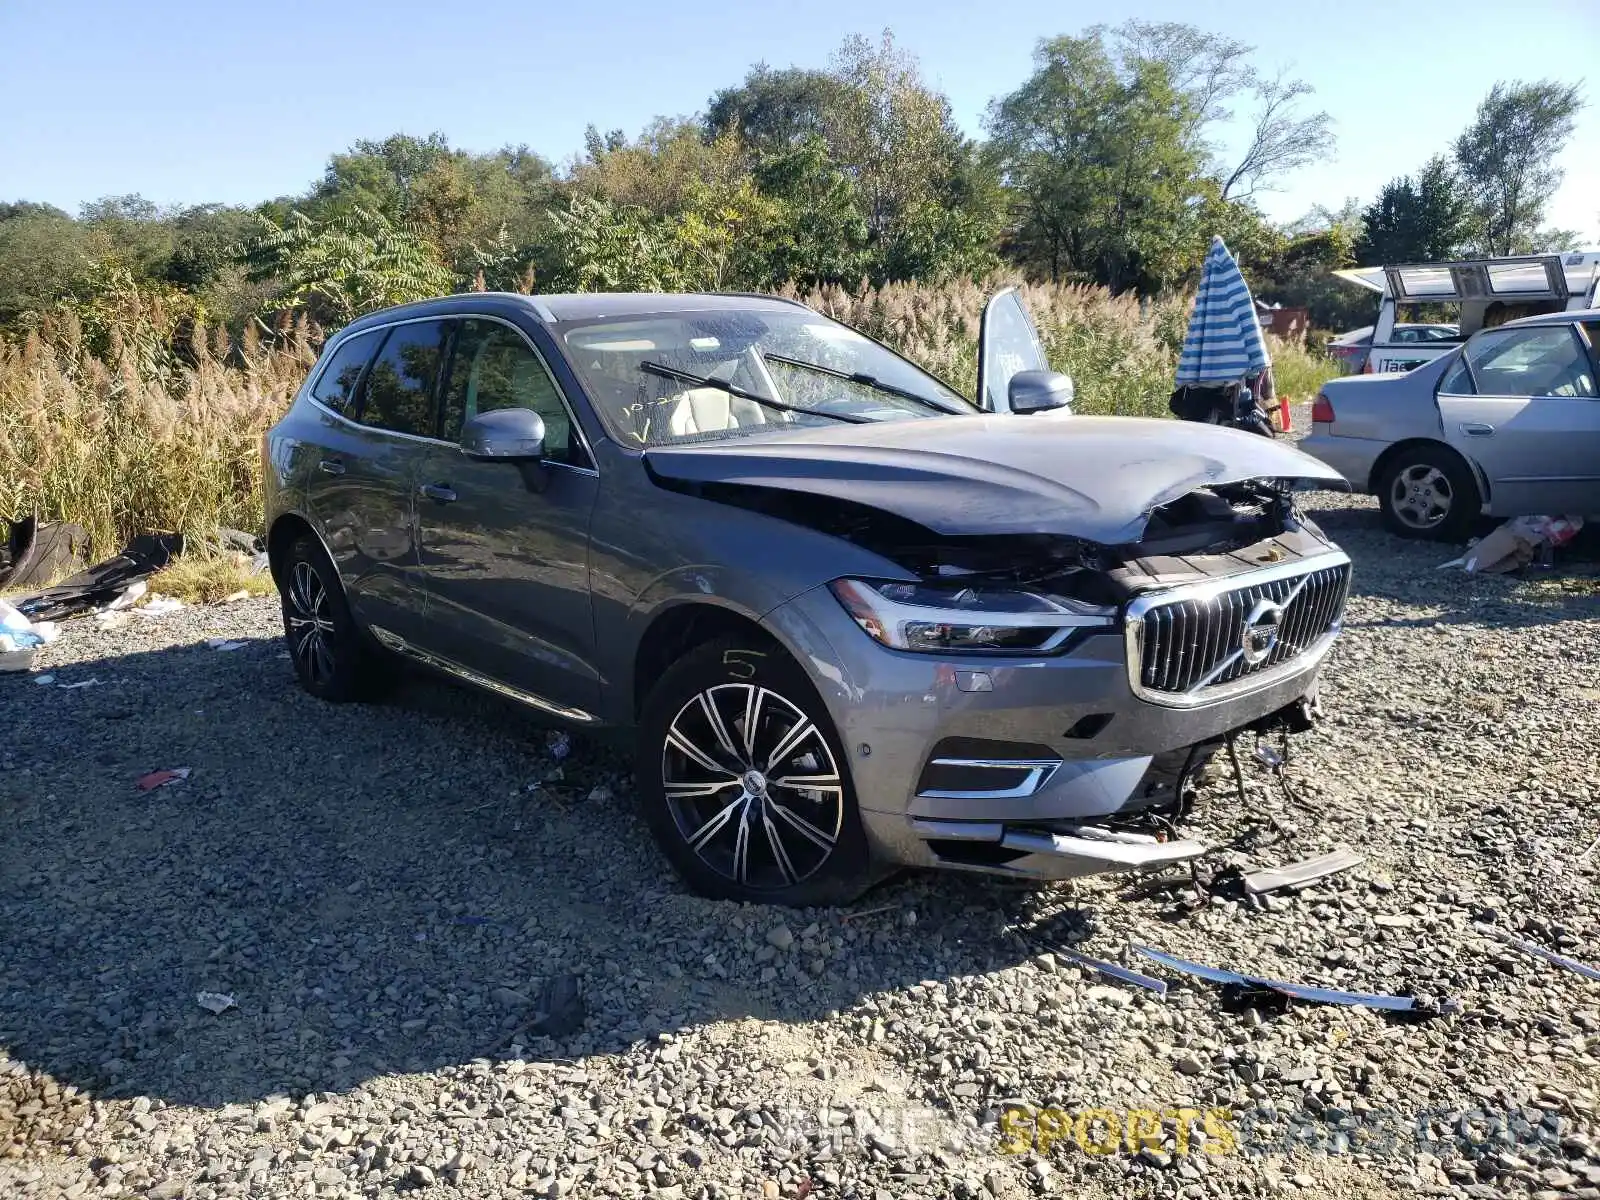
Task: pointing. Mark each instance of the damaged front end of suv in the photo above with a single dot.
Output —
(1069, 622)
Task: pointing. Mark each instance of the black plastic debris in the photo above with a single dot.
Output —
(32, 553)
(1296, 991)
(1538, 951)
(105, 581)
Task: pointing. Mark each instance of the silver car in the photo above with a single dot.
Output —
(849, 619)
(1508, 425)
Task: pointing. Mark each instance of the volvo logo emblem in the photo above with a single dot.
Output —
(1261, 630)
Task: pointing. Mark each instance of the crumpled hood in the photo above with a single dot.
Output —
(1096, 478)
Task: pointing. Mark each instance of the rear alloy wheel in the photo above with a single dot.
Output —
(742, 782)
(331, 659)
(1429, 493)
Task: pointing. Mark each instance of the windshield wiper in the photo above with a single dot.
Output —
(870, 381)
(733, 389)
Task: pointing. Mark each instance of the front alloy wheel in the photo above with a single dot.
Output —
(752, 786)
(743, 782)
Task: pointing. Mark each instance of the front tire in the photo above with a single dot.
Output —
(1429, 492)
(744, 783)
(331, 659)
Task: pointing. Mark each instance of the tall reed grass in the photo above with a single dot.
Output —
(130, 426)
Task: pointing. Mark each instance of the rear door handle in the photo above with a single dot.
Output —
(1477, 429)
(442, 492)
(331, 466)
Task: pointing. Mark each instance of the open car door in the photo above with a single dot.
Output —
(1009, 344)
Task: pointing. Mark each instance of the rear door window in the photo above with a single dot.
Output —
(402, 385)
(336, 386)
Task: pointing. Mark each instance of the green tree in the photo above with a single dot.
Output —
(1213, 73)
(602, 246)
(821, 235)
(1425, 218)
(773, 111)
(1105, 180)
(45, 256)
(1506, 158)
(345, 265)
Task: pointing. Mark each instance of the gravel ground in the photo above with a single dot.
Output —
(384, 890)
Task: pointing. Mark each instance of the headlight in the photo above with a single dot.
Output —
(967, 618)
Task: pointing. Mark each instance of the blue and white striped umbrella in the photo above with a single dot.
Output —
(1224, 341)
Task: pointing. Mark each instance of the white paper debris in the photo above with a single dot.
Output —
(224, 644)
(134, 590)
(45, 679)
(67, 687)
(160, 606)
(216, 1002)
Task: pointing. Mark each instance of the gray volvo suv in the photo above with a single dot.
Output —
(850, 619)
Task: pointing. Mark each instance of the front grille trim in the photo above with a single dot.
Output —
(1179, 645)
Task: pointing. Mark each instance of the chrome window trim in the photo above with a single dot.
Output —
(1133, 632)
(339, 340)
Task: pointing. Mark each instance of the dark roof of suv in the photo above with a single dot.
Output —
(585, 306)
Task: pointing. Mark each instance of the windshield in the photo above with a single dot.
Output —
(701, 376)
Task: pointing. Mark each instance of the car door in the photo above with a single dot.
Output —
(1007, 343)
(378, 397)
(505, 547)
(1521, 402)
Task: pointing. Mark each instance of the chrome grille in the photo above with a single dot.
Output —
(1194, 642)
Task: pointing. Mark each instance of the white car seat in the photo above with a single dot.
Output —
(706, 410)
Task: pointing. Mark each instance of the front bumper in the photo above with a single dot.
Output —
(1021, 766)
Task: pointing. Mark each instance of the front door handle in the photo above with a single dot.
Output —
(442, 492)
(1477, 429)
(331, 466)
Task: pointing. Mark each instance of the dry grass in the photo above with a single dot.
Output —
(199, 580)
(114, 430)
(127, 441)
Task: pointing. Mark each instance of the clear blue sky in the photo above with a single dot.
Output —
(192, 102)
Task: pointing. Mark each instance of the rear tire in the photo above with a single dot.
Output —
(744, 783)
(1429, 492)
(331, 658)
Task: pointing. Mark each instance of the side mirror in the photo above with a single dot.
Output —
(1039, 391)
(507, 434)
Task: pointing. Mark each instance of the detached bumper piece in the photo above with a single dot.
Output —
(1036, 853)
(1245, 984)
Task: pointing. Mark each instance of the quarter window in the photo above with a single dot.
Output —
(1457, 380)
(1546, 360)
(400, 389)
(493, 367)
(336, 386)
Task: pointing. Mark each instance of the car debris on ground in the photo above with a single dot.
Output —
(1516, 544)
(1538, 951)
(20, 638)
(1297, 875)
(1245, 984)
(155, 779)
(105, 582)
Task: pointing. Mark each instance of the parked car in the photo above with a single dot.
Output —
(1350, 349)
(1476, 293)
(849, 619)
(1508, 425)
